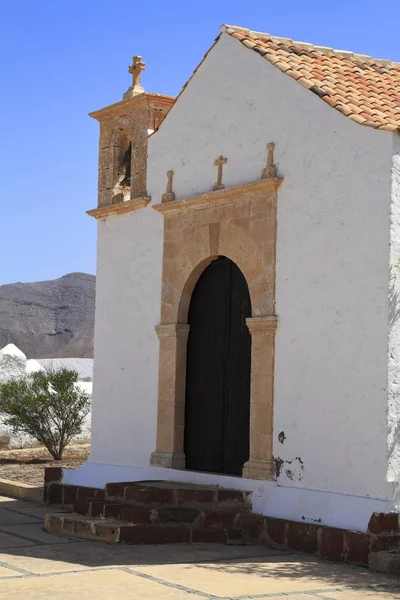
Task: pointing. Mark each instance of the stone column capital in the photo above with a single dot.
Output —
(174, 330)
(262, 325)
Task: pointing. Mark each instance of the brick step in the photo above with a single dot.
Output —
(113, 532)
(384, 523)
(129, 513)
(382, 542)
(158, 493)
(62, 494)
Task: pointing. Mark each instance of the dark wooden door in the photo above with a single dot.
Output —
(217, 411)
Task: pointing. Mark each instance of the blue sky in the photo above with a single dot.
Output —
(61, 59)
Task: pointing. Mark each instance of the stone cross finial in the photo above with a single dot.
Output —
(270, 171)
(219, 162)
(135, 69)
(169, 194)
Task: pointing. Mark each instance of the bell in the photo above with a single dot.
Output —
(126, 181)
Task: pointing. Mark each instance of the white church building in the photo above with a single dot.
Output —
(248, 282)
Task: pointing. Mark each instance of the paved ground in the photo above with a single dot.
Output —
(40, 566)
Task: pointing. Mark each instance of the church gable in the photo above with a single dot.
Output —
(234, 104)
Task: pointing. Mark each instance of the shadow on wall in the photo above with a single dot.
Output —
(394, 314)
(394, 295)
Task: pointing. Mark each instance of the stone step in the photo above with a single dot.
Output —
(112, 532)
(385, 562)
(130, 513)
(153, 494)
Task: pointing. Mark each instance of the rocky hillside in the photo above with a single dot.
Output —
(49, 319)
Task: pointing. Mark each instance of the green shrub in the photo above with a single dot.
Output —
(47, 405)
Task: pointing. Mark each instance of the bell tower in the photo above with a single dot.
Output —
(124, 131)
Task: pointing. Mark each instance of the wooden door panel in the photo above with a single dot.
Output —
(236, 421)
(218, 371)
(205, 369)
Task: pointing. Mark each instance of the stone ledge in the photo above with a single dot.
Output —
(119, 208)
(385, 562)
(219, 197)
(23, 491)
(174, 330)
(109, 111)
(264, 325)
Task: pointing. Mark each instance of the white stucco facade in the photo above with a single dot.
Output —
(393, 412)
(124, 406)
(336, 406)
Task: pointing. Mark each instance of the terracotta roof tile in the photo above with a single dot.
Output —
(364, 89)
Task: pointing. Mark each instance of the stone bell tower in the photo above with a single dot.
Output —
(124, 130)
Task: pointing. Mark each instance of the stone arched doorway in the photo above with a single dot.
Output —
(217, 400)
(240, 224)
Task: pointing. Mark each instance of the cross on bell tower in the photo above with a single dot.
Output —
(135, 69)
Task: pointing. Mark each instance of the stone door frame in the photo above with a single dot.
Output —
(239, 223)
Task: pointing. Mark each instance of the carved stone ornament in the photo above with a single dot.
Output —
(219, 163)
(270, 171)
(169, 194)
(135, 69)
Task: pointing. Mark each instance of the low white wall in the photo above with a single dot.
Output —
(84, 366)
(14, 365)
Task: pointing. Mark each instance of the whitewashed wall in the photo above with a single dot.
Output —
(394, 327)
(332, 289)
(124, 405)
(332, 255)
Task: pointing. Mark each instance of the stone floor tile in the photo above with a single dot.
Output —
(84, 555)
(269, 575)
(4, 572)
(10, 541)
(364, 595)
(39, 565)
(284, 574)
(4, 499)
(35, 533)
(190, 553)
(33, 511)
(44, 559)
(8, 517)
(7, 502)
(303, 596)
(91, 586)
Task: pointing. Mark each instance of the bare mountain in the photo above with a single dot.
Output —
(49, 319)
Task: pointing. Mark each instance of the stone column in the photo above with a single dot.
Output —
(261, 464)
(171, 396)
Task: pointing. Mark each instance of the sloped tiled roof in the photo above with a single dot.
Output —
(365, 89)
